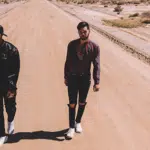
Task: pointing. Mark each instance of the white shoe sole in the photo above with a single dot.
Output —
(68, 137)
(78, 131)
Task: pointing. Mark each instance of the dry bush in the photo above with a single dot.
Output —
(4, 1)
(134, 15)
(145, 14)
(114, 2)
(105, 5)
(105, 2)
(146, 21)
(136, 2)
(118, 9)
(85, 1)
(146, 17)
(80, 1)
(67, 1)
(121, 3)
(143, 1)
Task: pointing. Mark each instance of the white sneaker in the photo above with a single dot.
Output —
(78, 128)
(70, 133)
(3, 140)
(11, 127)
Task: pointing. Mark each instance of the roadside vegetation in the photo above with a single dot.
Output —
(132, 21)
(8, 1)
(106, 3)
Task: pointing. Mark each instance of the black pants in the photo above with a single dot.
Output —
(10, 105)
(78, 86)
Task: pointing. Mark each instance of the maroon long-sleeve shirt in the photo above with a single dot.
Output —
(79, 59)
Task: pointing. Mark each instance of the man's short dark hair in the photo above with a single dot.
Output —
(82, 25)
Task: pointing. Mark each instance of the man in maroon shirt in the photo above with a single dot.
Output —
(81, 53)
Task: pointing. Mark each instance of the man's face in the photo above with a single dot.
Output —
(84, 33)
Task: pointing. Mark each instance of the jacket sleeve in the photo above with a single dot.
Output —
(13, 68)
(66, 67)
(96, 65)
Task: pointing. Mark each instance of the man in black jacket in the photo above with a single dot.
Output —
(80, 54)
(9, 71)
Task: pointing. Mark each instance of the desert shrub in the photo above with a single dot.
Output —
(134, 15)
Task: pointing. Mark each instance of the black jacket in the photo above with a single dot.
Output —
(9, 66)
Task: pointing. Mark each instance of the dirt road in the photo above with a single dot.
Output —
(139, 41)
(116, 118)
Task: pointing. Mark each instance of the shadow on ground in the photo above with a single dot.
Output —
(56, 136)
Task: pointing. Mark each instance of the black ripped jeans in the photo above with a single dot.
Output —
(10, 105)
(78, 85)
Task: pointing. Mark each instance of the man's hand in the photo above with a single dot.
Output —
(96, 87)
(66, 82)
(11, 94)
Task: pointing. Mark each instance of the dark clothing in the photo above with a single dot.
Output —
(79, 59)
(9, 66)
(9, 71)
(10, 105)
(77, 73)
(78, 85)
(72, 114)
(81, 109)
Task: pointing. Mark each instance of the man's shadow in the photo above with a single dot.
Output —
(56, 136)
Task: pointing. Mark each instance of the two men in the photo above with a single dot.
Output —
(81, 53)
(9, 71)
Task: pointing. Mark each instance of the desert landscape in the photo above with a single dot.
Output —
(128, 23)
(118, 116)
